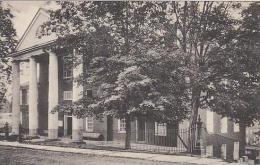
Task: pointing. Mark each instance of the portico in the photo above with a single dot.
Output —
(46, 84)
(44, 70)
(34, 93)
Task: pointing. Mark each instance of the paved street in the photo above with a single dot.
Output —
(19, 156)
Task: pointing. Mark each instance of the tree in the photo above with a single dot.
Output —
(201, 28)
(7, 45)
(117, 41)
(237, 96)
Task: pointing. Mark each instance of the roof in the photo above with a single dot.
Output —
(29, 41)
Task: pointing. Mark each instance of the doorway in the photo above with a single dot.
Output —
(141, 129)
(67, 125)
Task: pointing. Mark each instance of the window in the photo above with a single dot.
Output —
(89, 124)
(224, 151)
(223, 125)
(210, 124)
(121, 125)
(89, 93)
(160, 129)
(67, 70)
(21, 117)
(209, 150)
(24, 95)
(67, 95)
(236, 151)
(236, 127)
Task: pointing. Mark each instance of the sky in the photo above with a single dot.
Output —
(24, 11)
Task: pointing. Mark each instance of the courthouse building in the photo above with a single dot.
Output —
(47, 81)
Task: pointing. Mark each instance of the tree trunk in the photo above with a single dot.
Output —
(128, 132)
(242, 138)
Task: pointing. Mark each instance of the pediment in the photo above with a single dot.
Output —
(31, 35)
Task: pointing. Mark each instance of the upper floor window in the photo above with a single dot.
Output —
(67, 69)
(160, 129)
(223, 125)
(121, 125)
(89, 124)
(24, 96)
(210, 119)
(67, 95)
(236, 127)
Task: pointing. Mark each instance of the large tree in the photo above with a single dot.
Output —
(7, 45)
(201, 28)
(136, 74)
(236, 94)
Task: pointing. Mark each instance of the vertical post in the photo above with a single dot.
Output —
(33, 98)
(16, 97)
(53, 96)
(77, 123)
(199, 141)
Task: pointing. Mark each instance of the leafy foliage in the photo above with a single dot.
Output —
(7, 45)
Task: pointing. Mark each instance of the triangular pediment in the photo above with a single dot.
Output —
(31, 35)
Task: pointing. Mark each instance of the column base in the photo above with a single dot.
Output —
(15, 130)
(77, 135)
(33, 132)
(53, 134)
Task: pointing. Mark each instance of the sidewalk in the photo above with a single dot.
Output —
(125, 154)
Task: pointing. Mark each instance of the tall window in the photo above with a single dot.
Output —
(24, 95)
(160, 129)
(223, 125)
(210, 123)
(121, 125)
(89, 124)
(67, 70)
(67, 95)
(224, 151)
(236, 151)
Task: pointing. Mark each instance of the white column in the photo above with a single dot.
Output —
(33, 98)
(53, 96)
(77, 124)
(15, 97)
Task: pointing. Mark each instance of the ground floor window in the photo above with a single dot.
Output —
(224, 151)
(89, 124)
(160, 129)
(209, 150)
(236, 151)
(121, 125)
(210, 119)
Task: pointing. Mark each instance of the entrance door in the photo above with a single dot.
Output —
(109, 128)
(141, 130)
(69, 126)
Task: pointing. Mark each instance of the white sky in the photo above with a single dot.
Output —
(24, 11)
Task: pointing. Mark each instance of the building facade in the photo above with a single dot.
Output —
(41, 81)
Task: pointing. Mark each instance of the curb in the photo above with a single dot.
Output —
(117, 154)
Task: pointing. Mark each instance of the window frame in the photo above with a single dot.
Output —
(65, 70)
(160, 129)
(87, 124)
(120, 129)
(210, 126)
(224, 125)
(65, 98)
(236, 127)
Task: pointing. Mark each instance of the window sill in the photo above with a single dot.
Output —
(161, 135)
(67, 78)
(121, 132)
